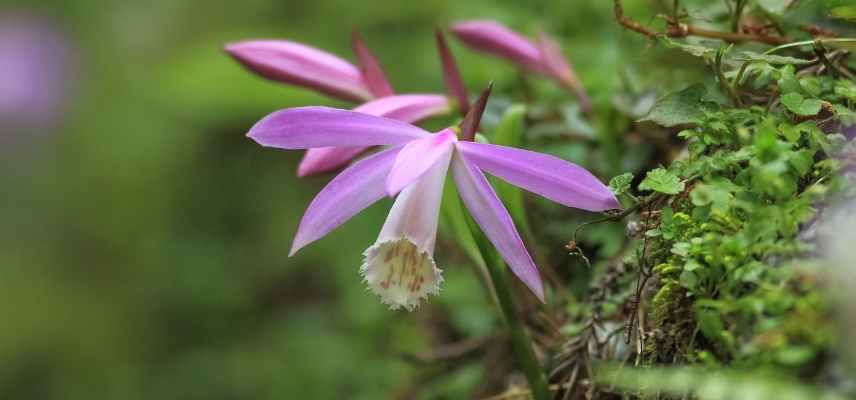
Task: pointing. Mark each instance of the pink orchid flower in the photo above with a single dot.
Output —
(544, 56)
(301, 65)
(399, 266)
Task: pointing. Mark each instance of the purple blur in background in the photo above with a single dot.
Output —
(36, 69)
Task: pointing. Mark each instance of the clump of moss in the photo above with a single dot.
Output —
(723, 229)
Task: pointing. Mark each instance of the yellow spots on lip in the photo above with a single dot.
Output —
(400, 273)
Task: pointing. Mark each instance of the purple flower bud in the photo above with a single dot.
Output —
(494, 38)
(541, 57)
(301, 65)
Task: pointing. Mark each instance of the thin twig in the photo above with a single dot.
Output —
(678, 29)
(628, 23)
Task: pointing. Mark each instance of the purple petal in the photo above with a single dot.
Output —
(301, 65)
(350, 192)
(417, 157)
(373, 74)
(326, 159)
(495, 222)
(553, 59)
(548, 176)
(493, 38)
(408, 108)
(309, 127)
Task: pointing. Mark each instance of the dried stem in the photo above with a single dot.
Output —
(677, 29)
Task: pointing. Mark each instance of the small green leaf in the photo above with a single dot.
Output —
(776, 7)
(795, 355)
(621, 183)
(710, 323)
(663, 181)
(456, 220)
(844, 12)
(770, 58)
(788, 82)
(680, 108)
(510, 129)
(704, 52)
(689, 279)
(802, 161)
(796, 104)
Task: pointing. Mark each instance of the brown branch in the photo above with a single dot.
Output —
(729, 36)
(678, 30)
(628, 23)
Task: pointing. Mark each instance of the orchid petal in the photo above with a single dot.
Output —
(326, 159)
(373, 74)
(308, 127)
(417, 157)
(494, 38)
(548, 176)
(554, 61)
(301, 65)
(356, 188)
(416, 210)
(408, 108)
(495, 222)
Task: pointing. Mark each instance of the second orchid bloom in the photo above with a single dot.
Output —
(400, 266)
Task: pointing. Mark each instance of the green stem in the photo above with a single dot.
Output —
(520, 341)
(738, 13)
(810, 42)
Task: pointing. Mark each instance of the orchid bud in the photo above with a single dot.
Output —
(542, 57)
(494, 38)
(301, 65)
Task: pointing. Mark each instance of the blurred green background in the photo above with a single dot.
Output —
(144, 239)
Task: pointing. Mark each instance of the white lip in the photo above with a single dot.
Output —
(400, 267)
(400, 273)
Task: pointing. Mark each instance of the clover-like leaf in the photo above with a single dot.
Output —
(799, 105)
(680, 108)
(621, 183)
(663, 181)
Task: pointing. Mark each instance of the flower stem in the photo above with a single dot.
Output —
(520, 341)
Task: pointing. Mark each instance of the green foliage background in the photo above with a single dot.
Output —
(144, 242)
